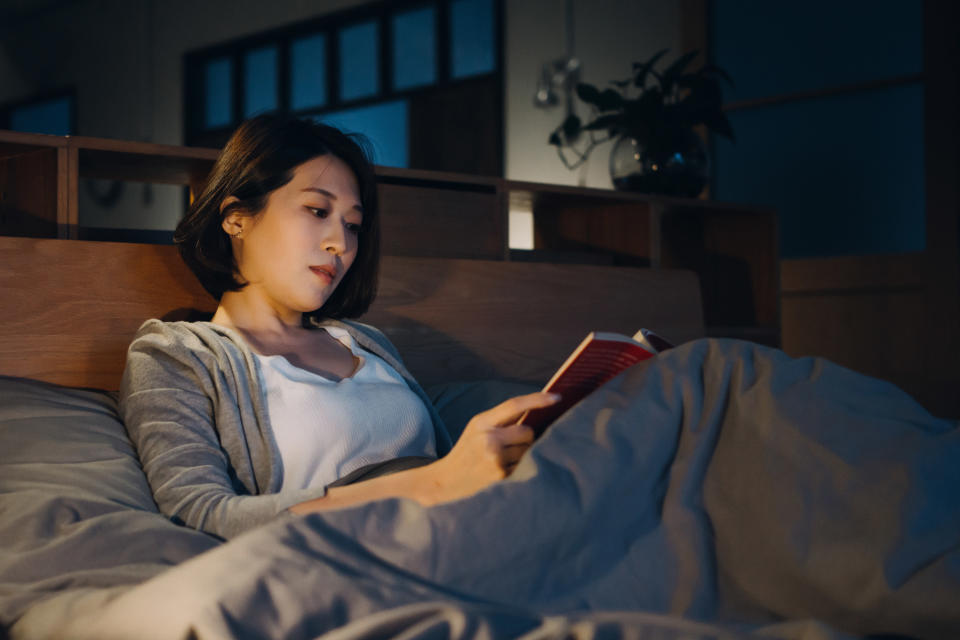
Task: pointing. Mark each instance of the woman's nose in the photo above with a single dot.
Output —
(335, 239)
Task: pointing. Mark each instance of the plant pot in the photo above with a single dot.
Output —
(678, 167)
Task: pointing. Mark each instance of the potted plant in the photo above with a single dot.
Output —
(652, 116)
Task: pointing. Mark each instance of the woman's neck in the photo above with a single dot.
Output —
(242, 311)
(268, 334)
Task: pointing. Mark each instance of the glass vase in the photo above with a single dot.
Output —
(676, 167)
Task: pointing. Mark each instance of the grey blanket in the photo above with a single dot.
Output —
(720, 489)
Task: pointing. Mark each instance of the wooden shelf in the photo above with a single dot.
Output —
(40, 174)
(732, 248)
(141, 161)
(14, 143)
(33, 184)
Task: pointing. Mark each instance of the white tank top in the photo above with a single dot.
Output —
(326, 429)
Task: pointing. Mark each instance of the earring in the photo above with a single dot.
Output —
(236, 235)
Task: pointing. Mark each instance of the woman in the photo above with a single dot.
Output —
(724, 482)
(279, 405)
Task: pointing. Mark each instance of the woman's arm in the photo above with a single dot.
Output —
(488, 449)
(173, 395)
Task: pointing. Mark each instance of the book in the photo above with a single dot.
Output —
(600, 357)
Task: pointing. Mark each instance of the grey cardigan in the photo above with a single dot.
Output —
(195, 408)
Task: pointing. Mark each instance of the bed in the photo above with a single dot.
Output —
(720, 490)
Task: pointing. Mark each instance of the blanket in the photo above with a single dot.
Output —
(719, 489)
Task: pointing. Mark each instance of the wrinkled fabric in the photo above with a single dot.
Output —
(721, 482)
(76, 512)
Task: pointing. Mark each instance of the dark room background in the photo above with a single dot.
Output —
(845, 115)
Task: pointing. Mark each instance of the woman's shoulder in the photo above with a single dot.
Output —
(184, 337)
(182, 330)
(169, 351)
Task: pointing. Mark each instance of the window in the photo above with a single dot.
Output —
(259, 81)
(829, 121)
(414, 48)
(308, 72)
(471, 28)
(218, 93)
(359, 61)
(53, 115)
(389, 70)
(385, 126)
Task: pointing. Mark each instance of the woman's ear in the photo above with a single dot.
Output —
(233, 222)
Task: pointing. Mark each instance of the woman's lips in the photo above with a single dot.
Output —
(325, 272)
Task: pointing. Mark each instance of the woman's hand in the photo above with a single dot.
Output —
(487, 451)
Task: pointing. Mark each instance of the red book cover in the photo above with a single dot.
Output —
(600, 357)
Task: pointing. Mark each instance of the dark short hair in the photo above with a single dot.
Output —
(259, 158)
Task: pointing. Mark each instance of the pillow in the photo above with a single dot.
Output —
(458, 402)
(76, 507)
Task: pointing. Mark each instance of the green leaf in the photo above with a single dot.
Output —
(701, 105)
(642, 69)
(688, 80)
(652, 61)
(725, 128)
(677, 101)
(669, 77)
(588, 93)
(719, 124)
(712, 69)
(610, 100)
(649, 107)
(571, 126)
(680, 64)
(706, 91)
(609, 121)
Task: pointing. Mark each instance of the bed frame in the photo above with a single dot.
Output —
(69, 308)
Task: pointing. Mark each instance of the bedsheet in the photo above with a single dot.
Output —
(76, 512)
(721, 488)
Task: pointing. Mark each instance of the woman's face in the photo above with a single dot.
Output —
(295, 252)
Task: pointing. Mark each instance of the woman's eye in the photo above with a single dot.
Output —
(317, 211)
(353, 228)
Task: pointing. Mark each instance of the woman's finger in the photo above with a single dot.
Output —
(510, 456)
(515, 433)
(507, 412)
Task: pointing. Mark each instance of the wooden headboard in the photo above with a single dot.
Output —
(69, 308)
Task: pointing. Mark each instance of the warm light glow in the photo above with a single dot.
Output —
(520, 229)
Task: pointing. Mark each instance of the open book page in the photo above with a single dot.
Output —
(652, 341)
(600, 357)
